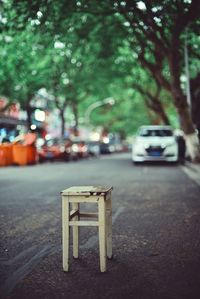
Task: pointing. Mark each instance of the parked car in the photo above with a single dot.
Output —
(80, 148)
(51, 150)
(93, 148)
(70, 150)
(155, 143)
(111, 143)
(56, 149)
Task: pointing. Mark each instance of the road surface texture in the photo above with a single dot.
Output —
(156, 224)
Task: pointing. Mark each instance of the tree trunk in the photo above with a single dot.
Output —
(75, 112)
(62, 122)
(61, 107)
(153, 102)
(190, 134)
(192, 144)
(156, 106)
(195, 99)
(29, 111)
(164, 118)
(180, 100)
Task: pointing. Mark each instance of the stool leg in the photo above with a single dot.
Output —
(102, 233)
(109, 227)
(75, 206)
(65, 232)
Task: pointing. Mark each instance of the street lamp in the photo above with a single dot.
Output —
(95, 105)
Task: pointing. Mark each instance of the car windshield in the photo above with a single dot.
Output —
(157, 133)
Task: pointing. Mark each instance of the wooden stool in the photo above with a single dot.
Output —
(71, 216)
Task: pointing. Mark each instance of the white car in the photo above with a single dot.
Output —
(155, 143)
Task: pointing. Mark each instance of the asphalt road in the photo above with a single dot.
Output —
(156, 241)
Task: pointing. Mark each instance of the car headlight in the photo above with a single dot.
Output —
(145, 145)
(62, 149)
(138, 148)
(75, 148)
(171, 147)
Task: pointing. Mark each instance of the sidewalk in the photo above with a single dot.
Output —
(192, 170)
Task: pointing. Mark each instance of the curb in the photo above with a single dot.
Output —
(192, 170)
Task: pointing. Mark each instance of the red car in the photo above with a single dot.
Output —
(57, 149)
(80, 148)
(54, 149)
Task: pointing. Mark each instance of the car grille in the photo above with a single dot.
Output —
(155, 150)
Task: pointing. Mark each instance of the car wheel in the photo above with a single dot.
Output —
(136, 163)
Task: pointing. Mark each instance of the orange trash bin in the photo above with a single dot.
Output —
(6, 157)
(2, 155)
(31, 154)
(20, 154)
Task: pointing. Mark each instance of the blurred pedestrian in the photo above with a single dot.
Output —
(181, 148)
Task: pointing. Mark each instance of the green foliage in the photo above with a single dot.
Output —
(85, 51)
(24, 67)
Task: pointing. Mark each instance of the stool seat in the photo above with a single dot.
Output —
(72, 217)
(86, 190)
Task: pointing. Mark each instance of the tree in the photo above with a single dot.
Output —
(195, 96)
(25, 69)
(93, 34)
(156, 30)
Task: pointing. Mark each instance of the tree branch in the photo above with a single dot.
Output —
(180, 23)
(153, 102)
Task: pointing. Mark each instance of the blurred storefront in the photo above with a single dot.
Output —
(12, 121)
